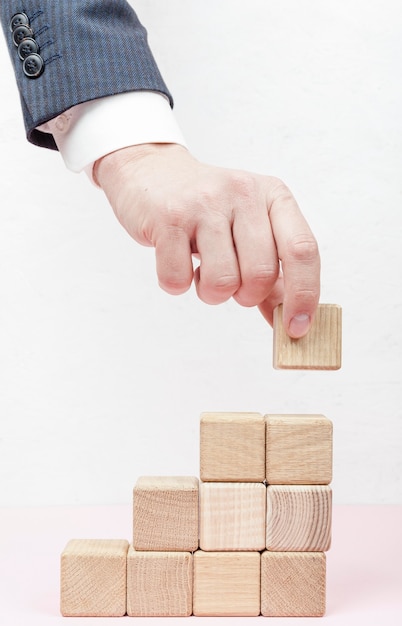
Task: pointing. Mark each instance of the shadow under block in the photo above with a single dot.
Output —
(293, 584)
(232, 447)
(299, 518)
(232, 516)
(165, 515)
(320, 349)
(159, 584)
(93, 578)
(298, 450)
(226, 584)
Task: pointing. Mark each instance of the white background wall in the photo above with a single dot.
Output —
(102, 375)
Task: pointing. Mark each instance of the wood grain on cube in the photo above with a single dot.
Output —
(298, 449)
(165, 515)
(226, 584)
(299, 518)
(232, 516)
(232, 447)
(93, 578)
(159, 584)
(293, 584)
(320, 349)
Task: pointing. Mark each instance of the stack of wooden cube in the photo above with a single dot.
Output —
(248, 539)
(265, 515)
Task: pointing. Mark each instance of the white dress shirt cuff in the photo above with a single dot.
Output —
(90, 130)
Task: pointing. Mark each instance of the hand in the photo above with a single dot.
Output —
(251, 238)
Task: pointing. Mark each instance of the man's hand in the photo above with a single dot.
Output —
(252, 240)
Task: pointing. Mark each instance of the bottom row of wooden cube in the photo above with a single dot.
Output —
(108, 578)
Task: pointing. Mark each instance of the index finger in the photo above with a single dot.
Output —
(299, 256)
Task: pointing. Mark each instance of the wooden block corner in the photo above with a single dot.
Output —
(320, 349)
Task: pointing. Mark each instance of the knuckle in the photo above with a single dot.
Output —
(226, 283)
(279, 196)
(256, 285)
(243, 185)
(303, 248)
(173, 232)
(174, 212)
(219, 289)
(262, 275)
(173, 218)
(306, 298)
(171, 226)
(279, 189)
(244, 181)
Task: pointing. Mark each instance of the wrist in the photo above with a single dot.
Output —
(111, 164)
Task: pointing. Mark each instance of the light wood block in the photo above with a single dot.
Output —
(232, 447)
(159, 584)
(320, 349)
(165, 516)
(226, 584)
(299, 518)
(299, 450)
(93, 578)
(293, 584)
(232, 516)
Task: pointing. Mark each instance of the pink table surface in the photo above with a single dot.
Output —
(364, 566)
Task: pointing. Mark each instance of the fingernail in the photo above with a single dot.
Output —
(299, 325)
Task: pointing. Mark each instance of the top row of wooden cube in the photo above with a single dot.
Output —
(279, 449)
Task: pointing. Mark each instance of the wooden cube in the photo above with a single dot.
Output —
(232, 516)
(232, 447)
(299, 450)
(299, 518)
(166, 513)
(93, 578)
(293, 584)
(159, 584)
(226, 584)
(320, 349)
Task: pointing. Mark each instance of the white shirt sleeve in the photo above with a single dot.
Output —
(90, 130)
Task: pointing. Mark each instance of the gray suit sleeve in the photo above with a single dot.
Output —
(89, 48)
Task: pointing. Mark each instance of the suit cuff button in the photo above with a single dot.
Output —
(20, 33)
(33, 65)
(19, 19)
(27, 46)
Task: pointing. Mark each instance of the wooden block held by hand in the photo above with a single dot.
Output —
(293, 584)
(159, 584)
(232, 516)
(299, 450)
(226, 584)
(93, 578)
(320, 349)
(299, 518)
(165, 516)
(232, 447)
